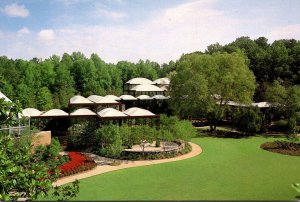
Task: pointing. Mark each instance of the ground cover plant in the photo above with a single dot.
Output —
(78, 163)
(228, 169)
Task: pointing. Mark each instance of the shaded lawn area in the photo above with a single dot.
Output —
(228, 169)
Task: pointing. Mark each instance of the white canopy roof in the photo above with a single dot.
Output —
(107, 100)
(83, 112)
(54, 112)
(95, 98)
(135, 111)
(162, 81)
(30, 112)
(261, 104)
(127, 97)
(139, 81)
(160, 97)
(111, 112)
(78, 99)
(5, 98)
(147, 88)
(113, 97)
(144, 97)
(232, 103)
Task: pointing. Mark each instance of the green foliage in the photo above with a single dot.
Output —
(9, 112)
(281, 125)
(82, 135)
(64, 193)
(51, 151)
(180, 129)
(21, 173)
(247, 120)
(128, 137)
(109, 140)
(200, 77)
(184, 130)
(286, 101)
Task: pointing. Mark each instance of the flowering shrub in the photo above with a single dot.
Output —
(78, 163)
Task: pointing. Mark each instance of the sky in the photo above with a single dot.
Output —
(158, 30)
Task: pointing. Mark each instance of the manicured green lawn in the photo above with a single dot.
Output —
(228, 169)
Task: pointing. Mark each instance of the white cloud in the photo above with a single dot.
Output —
(111, 14)
(165, 36)
(285, 32)
(23, 31)
(46, 35)
(15, 10)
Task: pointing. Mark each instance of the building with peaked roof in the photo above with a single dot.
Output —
(79, 100)
(82, 112)
(31, 112)
(54, 113)
(146, 89)
(111, 113)
(138, 112)
(95, 98)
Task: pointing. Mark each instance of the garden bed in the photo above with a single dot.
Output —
(183, 148)
(282, 147)
(78, 163)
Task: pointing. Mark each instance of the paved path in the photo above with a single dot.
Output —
(104, 167)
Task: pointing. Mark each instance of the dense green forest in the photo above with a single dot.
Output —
(49, 83)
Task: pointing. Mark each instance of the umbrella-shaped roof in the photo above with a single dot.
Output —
(108, 100)
(127, 97)
(112, 97)
(111, 112)
(160, 97)
(83, 112)
(147, 88)
(95, 98)
(135, 111)
(139, 80)
(162, 81)
(78, 99)
(144, 97)
(262, 104)
(54, 113)
(31, 112)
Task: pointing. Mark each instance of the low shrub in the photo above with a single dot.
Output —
(282, 147)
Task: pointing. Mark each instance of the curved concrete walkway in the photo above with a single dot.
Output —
(104, 167)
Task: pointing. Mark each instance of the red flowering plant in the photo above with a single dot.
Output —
(78, 163)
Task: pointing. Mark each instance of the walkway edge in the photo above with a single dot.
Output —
(196, 150)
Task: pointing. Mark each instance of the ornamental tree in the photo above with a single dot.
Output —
(203, 84)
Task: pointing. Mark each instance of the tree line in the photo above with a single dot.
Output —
(49, 83)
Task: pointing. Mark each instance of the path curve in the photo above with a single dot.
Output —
(104, 168)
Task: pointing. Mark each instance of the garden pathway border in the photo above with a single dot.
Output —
(104, 167)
